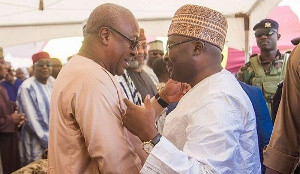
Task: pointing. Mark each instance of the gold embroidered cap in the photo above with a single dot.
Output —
(200, 22)
(156, 45)
(1, 53)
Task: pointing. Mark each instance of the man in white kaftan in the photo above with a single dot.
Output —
(213, 127)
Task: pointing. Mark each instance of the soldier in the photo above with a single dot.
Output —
(267, 69)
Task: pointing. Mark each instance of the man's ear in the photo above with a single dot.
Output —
(278, 36)
(198, 47)
(104, 35)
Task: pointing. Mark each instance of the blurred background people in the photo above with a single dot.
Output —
(9, 121)
(20, 74)
(56, 67)
(156, 50)
(141, 79)
(11, 84)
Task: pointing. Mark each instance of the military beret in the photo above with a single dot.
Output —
(266, 24)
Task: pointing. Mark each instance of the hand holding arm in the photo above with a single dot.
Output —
(140, 120)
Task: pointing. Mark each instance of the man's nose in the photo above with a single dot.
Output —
(134, 52)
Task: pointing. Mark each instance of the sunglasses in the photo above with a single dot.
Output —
(41, 64)
(133, 43)
(260, 33)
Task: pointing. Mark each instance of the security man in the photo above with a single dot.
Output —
(267, 69)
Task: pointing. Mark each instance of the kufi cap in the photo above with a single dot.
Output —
(142, 35)
(40, 55)
(1, 53)
(156, 45)
(266, 24)
(200, 22)
(295, 41)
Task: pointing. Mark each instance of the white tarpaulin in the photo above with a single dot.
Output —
(21, 21)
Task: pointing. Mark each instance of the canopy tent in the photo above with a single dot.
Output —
(25, 21)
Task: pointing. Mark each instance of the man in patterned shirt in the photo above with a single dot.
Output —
(33, 100)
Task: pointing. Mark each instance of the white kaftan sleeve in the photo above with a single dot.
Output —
(165, 158)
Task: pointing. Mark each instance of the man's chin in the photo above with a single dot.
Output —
(119, 73)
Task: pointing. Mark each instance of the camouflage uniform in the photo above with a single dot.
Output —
(273, 73)
(246, 72)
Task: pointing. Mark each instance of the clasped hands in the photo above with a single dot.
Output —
(140, 120)
(19, 118)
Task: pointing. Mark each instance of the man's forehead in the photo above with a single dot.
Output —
(156, 51)
(142, 42)
(44, 60)
(175, 37)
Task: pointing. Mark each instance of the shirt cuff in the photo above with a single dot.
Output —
(279, 161)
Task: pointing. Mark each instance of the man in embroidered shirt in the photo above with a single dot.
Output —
(213, 127)
(33, 99)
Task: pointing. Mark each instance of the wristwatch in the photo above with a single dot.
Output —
(149, 145)
(160, 101)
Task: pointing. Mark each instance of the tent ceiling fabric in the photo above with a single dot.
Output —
(22, 21)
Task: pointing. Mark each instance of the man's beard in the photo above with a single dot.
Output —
(134, 64)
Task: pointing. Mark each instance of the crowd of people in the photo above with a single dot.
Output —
(122, 105)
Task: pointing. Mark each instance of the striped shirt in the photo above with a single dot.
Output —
(129, 88)
(33, 100)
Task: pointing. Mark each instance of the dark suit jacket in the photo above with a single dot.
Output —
(263, 120)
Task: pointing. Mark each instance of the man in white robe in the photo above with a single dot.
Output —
(213, 127)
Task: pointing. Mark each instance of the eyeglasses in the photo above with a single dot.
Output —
(133, 43)
(155, 53)
(169, 46)
(41, 64)
(260, 33)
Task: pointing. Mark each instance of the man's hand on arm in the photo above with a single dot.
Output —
(140, 120)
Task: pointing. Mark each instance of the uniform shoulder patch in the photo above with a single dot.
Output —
(253, 55)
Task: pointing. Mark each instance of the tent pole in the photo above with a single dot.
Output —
(246, 26)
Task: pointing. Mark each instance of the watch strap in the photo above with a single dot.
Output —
(156, 139)
(160, 101)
